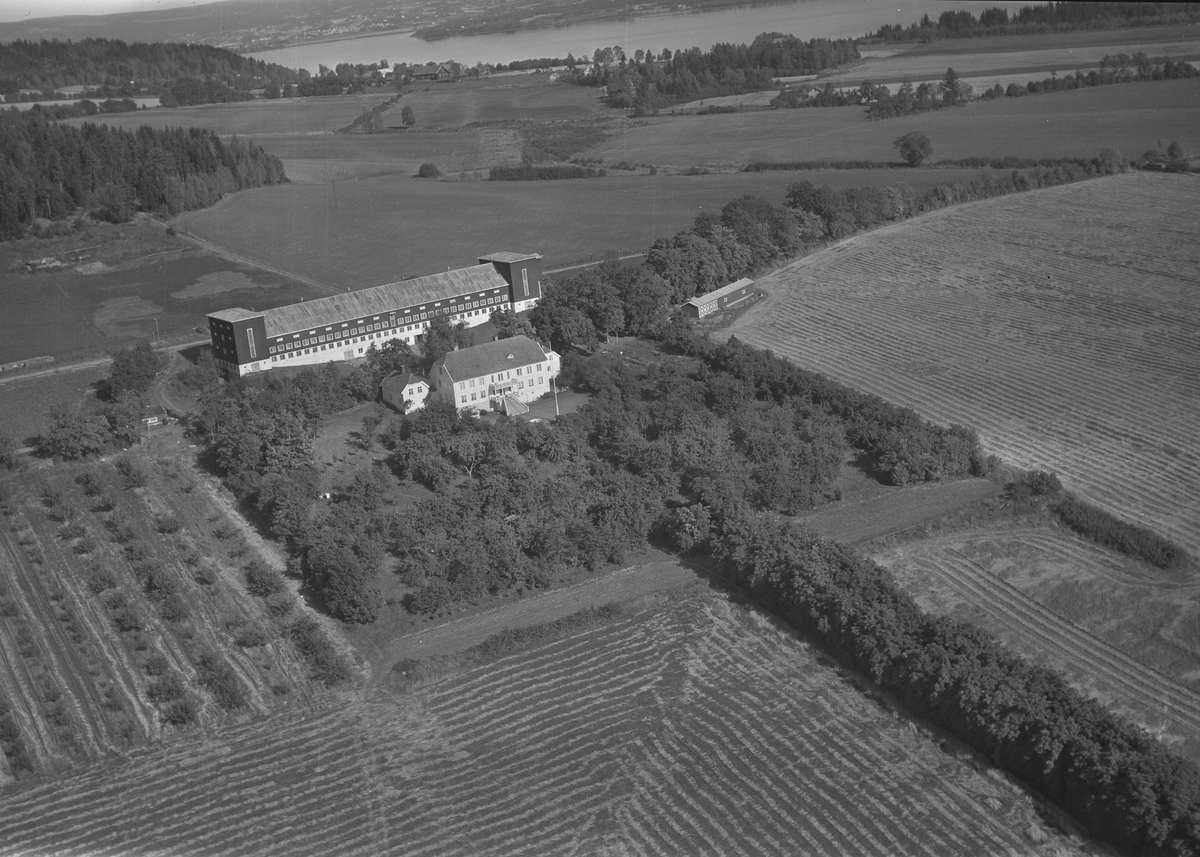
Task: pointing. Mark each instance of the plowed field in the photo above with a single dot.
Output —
(695, 727)
(1061, 324)
(1123, 631)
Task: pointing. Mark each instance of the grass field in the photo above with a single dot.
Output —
(105, 298)
(263, 118)
(1122, 631)
(695, 727)
(1130, 117)
(1036, 60)
(389, 228)
(25, 405)
(525, 98)
(1059, 323)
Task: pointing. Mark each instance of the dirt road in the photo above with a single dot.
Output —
(890, 513)
(458, 634)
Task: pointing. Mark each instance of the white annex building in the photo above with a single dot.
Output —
(343, 327)
(502, 376)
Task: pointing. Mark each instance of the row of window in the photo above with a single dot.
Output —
(401, 326)
(331, 347)
(520, 386)
(463, 385)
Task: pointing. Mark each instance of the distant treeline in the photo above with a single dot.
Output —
(54, 171)
(950, 91)
(646, 83)
(1120, 68)
(1040, 18)
(47, 65)
(84, 107)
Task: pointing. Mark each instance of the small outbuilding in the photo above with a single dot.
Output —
(404, 391)
(723, 298)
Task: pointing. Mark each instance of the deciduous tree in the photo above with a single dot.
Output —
(914, 147)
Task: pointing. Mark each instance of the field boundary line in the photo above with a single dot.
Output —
(246, 260)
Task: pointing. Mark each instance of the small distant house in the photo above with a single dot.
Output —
(434, 71)
(723, 298)
(404, 391)
(496, 376)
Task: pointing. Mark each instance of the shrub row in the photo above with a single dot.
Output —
(784, 166)
(328, 665)
(543, 172)
(1106, 529)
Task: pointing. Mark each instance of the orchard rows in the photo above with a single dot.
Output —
(693, 728)
(1060, 324)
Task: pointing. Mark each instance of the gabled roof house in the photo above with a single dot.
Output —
(502, 376)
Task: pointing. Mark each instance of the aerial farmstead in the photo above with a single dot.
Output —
(343, 327)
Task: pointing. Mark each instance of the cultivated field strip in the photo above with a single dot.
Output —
(1060, 324)
(692, 728)
(1143, 693)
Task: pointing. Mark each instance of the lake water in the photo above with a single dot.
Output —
(806, 19)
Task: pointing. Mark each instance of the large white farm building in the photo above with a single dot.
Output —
(343, 327)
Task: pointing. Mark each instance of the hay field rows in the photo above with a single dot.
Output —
(1122, 632)
(693, 728)
(1059, 323)
(364, 233)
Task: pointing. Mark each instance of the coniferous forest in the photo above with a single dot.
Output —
(54, 171)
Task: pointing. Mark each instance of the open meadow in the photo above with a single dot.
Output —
(113, 285)
(365, 233)
(1059, 323)
(1129, 117)
(691, 726)
(1036, 60)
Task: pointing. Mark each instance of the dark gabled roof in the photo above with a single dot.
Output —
(491, 357)
(380, 299)
(400, 380)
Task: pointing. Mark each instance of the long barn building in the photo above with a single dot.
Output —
(343, 327)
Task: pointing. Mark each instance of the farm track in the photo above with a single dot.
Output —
(694, 727)
(1057, 323)
(1060, 640)
(246, 260)
(899, 510)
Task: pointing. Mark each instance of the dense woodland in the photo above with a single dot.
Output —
(131, 69)
(647, 81)
(54, 171)
(1040, 18)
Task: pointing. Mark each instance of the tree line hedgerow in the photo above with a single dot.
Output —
(1121, 781)
(1040, 18)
